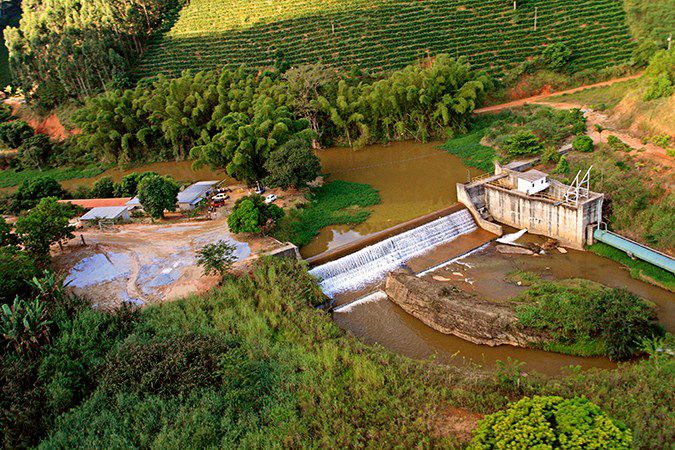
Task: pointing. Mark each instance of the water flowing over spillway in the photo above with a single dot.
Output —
(372, 263)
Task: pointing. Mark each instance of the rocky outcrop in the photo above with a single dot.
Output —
(453, 311)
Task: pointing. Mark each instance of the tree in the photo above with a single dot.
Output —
(556, 56)
(16, 270)
(252, 215)
(46, 224)
(583, 143)
(32, 190)
(523, 143)
(12, 134)
(247, 139)
(128, 186)
(306, 84)
(157, 193)
(294, 164)
(550, 422)
(103, 188)
(70, 48)
(346, 114)
(562, 167)
(216, 258)
(245, 218)
(35, 151)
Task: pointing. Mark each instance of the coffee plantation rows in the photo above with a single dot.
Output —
(384, 34)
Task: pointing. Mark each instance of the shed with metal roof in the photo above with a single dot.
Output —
(189, 197)
(107, 213)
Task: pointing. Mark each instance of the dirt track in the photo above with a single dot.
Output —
(536, 98)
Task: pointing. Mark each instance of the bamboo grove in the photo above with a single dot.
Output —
(236, 119)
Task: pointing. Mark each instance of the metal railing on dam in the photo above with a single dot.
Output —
(638, 250)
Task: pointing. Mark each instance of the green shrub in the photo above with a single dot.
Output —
(551, 422)
(589, 319)
(103, 188)
(562, 167)
(617, 144)
(523, 143)
(169, 366)
(556, 56)
(662, 140)
(550, 155)
(583, 143)
(659, 78)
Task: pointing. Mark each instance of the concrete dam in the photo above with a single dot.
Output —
(366, 262)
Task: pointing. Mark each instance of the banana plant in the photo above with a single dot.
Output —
(25, 325)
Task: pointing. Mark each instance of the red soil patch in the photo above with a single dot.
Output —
(50, 125)
(457, 422)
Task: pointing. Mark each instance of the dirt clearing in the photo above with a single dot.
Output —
(148, 263)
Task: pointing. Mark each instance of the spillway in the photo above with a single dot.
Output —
(372, 263)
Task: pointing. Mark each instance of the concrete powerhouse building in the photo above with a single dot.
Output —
(531, 200)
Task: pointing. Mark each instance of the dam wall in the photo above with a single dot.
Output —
(346, 249)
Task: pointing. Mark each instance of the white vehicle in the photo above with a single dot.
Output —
(270, 198)
(220, 197)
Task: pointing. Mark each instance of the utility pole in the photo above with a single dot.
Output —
(670, 40)
(535, 18)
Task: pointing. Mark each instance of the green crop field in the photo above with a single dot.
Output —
(386, 34)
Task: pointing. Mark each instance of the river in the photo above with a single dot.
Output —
(414, 179)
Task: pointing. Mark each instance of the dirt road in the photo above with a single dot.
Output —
(536, 98)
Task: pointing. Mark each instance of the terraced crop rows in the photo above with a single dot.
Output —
(386, 34)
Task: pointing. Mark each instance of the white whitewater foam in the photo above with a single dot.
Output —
(375, 296)
(511, 238)
(372, 263)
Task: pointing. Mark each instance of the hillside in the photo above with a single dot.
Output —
(383, 34)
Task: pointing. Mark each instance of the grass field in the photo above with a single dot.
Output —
(382, 34)
(600, 98)
(9, 177)
(468, 146)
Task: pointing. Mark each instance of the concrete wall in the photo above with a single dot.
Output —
(544, 216)
(473, 197)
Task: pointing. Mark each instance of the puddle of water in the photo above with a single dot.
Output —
(412, 178)
(99, 268)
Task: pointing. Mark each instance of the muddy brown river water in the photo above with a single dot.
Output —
(415, 179)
